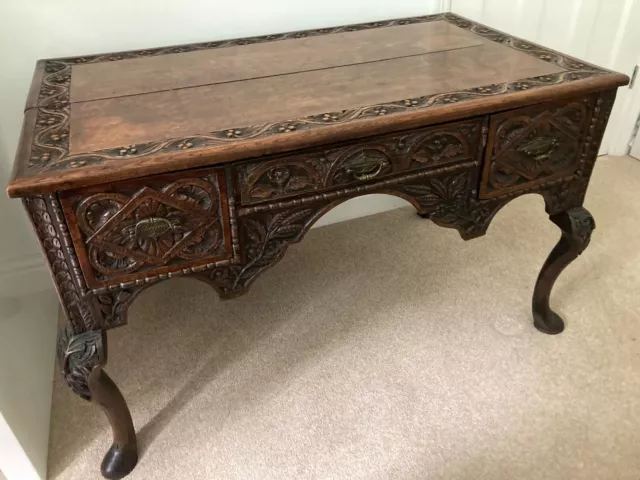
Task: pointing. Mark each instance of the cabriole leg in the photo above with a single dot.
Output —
(82, 358)
(576, 225)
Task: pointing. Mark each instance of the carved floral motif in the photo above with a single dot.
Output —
(444, 194)
(356, 162)
(145, 228)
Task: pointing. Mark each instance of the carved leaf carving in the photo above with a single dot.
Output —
(262, 192)
(358, 161)
(299, 183)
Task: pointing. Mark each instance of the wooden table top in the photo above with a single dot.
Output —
(89, 120)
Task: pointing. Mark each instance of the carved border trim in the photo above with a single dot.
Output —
(50, 147)
(46, 216)
(164, 276)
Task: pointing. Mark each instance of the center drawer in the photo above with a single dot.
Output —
(364, 160)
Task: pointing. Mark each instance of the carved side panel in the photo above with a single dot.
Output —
(126, 231)
(535, 145)
(357, 162)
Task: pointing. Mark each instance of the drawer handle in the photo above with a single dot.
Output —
(369, 174)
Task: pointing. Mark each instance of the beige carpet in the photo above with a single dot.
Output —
(388, 348)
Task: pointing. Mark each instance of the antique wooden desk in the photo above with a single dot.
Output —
(210, 159)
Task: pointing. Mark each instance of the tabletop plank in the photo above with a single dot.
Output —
(102, 124)
(203, 67)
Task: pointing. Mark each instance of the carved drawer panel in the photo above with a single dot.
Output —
(535, 145)
(356, 162)
(152, 226)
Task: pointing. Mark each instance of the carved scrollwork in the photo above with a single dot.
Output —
(142, 227)
(267, 233)
(439, 196)
(321, 169)
(578, 224)
(442, 147)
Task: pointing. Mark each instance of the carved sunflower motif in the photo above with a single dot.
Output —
(153, 229)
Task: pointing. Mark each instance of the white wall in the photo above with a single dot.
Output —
(34, 29)
(604, 32)
(27, 348)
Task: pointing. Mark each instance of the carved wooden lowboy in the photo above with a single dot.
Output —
(209, 159)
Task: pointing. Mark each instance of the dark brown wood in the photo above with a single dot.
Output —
(357, 95)
(132, 230)
(209, 160)
(576, 225)
(122, 456)
(535, 145)
(83, 357)
(356, 162)
(140, 119)
(209, 66)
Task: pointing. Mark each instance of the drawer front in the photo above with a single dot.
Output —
(130, 230)
(534, 145)
(357, 162)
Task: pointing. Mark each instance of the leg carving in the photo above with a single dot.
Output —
(82, 357)
(576, 225)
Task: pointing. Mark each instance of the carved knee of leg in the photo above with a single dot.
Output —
(576, 225)
(78, 355)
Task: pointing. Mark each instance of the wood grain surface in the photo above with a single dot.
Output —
(108, 123)
(109, 117)
(243, 62)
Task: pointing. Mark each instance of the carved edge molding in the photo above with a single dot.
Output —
(48, 221)
(50, 147)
